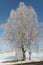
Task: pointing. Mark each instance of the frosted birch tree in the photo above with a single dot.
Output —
(22, 28)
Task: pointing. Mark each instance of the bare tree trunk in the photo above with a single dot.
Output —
(30, 52)
(23, 51)
(29, 55)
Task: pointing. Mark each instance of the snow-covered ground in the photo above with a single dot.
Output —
(6, 56)
(3, 56)
(35, 56)
(11, 56)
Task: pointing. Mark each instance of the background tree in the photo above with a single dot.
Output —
(22, 28)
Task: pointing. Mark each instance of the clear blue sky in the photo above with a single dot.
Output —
(7, 5)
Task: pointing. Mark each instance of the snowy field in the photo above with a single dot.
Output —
(11, 56)
(23, 62)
